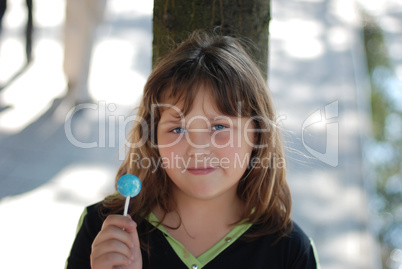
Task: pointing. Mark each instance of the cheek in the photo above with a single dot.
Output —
(170, 147)
(237, 156)
(231, 156)
(170, 160)
(168, 139)
(224, 138)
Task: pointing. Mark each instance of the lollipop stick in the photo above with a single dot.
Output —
(126, 205)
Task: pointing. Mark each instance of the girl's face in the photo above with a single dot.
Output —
(205, 153)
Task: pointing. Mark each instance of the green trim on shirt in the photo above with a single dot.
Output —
(199, 262)
(315, 253)
(81, 220)
(79, 225)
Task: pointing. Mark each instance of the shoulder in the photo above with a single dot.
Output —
(297, 248)
(294, 250)
(90, 222)
(88, 227)
(92, 218)
(297, 238)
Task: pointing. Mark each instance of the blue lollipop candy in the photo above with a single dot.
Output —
(129, 186)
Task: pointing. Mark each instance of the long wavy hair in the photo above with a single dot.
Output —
(223, 63)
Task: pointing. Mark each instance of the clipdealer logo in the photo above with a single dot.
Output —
(120, 123)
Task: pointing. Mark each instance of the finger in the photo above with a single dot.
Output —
(119, 237)
(112, 246)
(123, 222)
(110, 260)
(116, 227)
(114, 233)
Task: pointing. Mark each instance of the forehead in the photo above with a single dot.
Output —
(201, 102)
(230, 97)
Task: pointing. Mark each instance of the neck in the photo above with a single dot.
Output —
(194, 213)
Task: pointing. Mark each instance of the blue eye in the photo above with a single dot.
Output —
(179, 130)
(218, 127)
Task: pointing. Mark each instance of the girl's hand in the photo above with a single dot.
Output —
(117, 245)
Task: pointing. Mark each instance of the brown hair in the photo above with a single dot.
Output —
(234, 78)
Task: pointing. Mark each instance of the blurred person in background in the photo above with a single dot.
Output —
(82, 19)
(28, 29)
(3, 7)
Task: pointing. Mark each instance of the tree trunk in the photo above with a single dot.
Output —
(174, 20)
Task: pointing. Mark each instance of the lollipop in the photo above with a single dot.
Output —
(129, 186)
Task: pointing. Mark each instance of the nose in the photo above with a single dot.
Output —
(199, 142)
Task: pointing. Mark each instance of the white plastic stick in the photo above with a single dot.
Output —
(126, 205)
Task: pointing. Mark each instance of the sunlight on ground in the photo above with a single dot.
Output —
(112, 77)
(121, 7)
(301, 37)
(32, 94)
(45, 218)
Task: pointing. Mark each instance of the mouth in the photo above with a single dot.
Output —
(201, 170)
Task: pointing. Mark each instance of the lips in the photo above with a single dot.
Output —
(201, 170)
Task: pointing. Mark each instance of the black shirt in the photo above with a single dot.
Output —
(294, 251)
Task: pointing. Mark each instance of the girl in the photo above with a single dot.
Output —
(216, 194)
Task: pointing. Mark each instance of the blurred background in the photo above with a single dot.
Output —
(69, 83)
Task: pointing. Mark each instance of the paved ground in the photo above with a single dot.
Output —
(318, 80)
